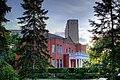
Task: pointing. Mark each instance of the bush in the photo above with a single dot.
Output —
(70, 73)
(7, 72)
(55, 70)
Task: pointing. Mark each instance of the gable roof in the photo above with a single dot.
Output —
(50, 35)
(68, 40)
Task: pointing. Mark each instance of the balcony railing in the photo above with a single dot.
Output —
(78, 54)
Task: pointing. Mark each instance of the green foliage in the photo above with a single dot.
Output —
(66, 70)
(55, 70)
(3, 10)
(3, 42)
(3, 45)
(106, 37)
(99, 62)
(77, 73)
(7, 72)
(32, 45)
(72, 73)
(69, 73)
(12, 41)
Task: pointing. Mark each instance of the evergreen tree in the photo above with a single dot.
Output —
(12, 40)
(3, 42)
(108, 28)
(32, 46)
(6, 70)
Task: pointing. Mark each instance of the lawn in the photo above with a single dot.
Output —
(46, 79)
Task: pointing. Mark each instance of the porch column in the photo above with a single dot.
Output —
(69, 63)
(79, 63)
(76, 63)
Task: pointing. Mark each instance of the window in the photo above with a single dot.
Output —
(57, 48)
(60, 63)
(57, 63)
(69, 50)
(53, 62)
(53, 48)
(72, 51)
(78, 51)
(60, 49)
(83, 51)
(66, 50)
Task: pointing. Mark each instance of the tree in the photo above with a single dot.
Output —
(100, 56)
(6, 70)
(108, 28)
(32, 47)
(12, 40)
(3, 43)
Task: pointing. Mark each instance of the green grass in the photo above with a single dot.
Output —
(49, 79)
(46, 79)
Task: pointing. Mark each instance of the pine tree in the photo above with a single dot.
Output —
(108, 27)
(6, 70)
(3, 42)
(32, 46)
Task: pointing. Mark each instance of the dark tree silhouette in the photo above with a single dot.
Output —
(6, 70)
(108, 27)
(32, 46)
(3, 42)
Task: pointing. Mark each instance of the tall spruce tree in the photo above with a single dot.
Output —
(32, 47)
(3, 41)
(108, 27)
(6, 70)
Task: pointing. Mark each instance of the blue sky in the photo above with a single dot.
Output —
(59, 11)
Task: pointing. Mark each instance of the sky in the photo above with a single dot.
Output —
(59, 11)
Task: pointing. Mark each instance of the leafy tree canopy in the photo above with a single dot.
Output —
(106, 35)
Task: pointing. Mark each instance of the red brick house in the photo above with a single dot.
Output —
(66, 52)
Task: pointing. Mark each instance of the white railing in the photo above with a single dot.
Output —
(79, 54)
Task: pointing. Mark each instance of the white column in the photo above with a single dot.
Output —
(76, 63)
(79, 63)
(69, 63)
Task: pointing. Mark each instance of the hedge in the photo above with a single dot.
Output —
(69, 73)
